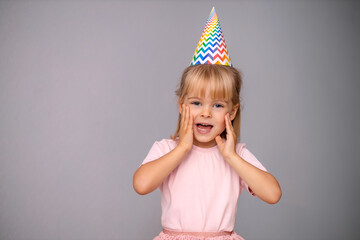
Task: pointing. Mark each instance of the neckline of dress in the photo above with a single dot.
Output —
(202, 149)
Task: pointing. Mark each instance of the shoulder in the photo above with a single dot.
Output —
(159, 148)
(165, 145)
(248, 156)
(240, 148)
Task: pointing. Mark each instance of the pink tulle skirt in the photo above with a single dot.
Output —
(171, 235)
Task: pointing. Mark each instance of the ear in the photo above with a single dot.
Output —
(234, 111)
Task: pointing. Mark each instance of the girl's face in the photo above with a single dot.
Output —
(209, 117)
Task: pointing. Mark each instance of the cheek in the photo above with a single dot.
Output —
(220, 119)
(193, 112)
(223, 122)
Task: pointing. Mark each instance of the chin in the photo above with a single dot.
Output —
(206, 141)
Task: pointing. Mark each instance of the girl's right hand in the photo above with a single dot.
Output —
(186, 133)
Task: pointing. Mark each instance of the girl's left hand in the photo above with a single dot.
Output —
(227, 148)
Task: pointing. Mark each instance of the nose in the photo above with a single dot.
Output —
(206, 112)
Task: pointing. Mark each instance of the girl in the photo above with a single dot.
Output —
(202, 170)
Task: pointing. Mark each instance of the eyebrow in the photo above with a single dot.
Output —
(215, 100)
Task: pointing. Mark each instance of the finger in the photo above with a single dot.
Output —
(219, 141)
(191, 120)
(229, 128)
(227, 125)
(230, 124)
(182, 116)
(185, 117)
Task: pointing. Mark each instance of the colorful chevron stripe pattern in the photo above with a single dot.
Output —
(211, 48)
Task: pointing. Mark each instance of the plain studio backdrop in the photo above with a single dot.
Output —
(86, 87)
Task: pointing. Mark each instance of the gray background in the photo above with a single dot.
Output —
(86, 87)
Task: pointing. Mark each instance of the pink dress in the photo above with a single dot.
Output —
(200, 195)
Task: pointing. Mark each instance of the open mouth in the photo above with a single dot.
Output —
(203, 128)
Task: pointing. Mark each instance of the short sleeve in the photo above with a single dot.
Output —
(153, 154)
(245, 154)
(159, 149)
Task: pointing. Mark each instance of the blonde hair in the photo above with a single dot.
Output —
(224, 82)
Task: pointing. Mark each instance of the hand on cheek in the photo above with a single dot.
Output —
(186, 128)
(227, 148)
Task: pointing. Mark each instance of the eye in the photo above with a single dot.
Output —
(196, 103)
(218, 105)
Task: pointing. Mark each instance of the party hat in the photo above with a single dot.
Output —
(211, 48)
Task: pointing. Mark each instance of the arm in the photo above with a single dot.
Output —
(149, 176)
(262, 183)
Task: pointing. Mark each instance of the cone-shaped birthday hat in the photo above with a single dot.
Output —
(211, 48)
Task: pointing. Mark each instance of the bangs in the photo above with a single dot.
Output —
(219, 85)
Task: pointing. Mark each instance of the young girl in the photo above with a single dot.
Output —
(202, 170)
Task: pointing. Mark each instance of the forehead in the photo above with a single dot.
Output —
(205, 94)
(209, 88)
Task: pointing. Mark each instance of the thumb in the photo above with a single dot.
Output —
(218, 140)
